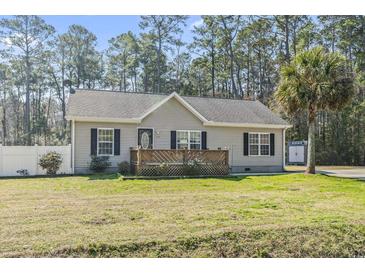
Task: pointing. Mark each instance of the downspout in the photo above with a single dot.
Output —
(284, 149)
(73, 146)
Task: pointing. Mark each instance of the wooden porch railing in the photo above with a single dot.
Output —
(211, 162)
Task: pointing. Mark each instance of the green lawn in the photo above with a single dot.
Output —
(256, 216)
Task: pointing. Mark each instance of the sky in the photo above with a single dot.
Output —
(107, 26)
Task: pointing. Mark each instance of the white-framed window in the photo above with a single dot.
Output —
(188, 139)
(259, 144)
(105, 141)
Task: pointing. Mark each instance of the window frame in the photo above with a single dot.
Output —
(189, 141)
(259, 144)
(98, 141)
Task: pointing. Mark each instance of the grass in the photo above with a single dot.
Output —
(255, 216)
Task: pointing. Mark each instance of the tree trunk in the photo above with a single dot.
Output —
(3, 120)
(311, 160)
(333, 32)
(239, 82)
(248, 69)
(295, 36)
(124, 73)
(121, 82)
(63, 100)
(324, 117)
(159, 61)
(287, 52)
(135, 80)
(27, 89)
(260, 72)
(213, 70)
(231, 57)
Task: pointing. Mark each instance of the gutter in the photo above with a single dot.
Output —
(253, 125)
(104, 120)
(205, 123)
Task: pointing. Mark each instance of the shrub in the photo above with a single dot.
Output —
(191, 168)
(124, 168)
(23, 172)
(99, 163)
(51, 162)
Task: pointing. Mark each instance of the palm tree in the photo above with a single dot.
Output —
(315, 80)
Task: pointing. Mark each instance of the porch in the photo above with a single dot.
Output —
(178, 162)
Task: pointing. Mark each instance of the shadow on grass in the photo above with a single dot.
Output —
(103, 176)
(164, 178)
(248, 177)
(36, 176)
(231, 178)
(113, 176)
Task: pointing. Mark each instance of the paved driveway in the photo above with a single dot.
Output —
(355, 172)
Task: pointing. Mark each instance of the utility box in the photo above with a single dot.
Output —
(297, 152)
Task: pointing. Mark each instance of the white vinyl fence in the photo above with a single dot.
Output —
(15, 158)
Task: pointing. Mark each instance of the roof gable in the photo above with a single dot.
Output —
(181, 101)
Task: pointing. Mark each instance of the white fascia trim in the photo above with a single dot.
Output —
(253, 125)
(180, 100)
(190, 108)
(156, 106)
(104, 120)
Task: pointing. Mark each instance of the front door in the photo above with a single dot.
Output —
(145, 138)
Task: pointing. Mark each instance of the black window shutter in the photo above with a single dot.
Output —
(94, 140)
(204, 140)
(245, 143)
(272, 144)
(116, 141)
(173, 139)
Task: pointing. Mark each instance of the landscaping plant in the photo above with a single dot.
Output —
(124, 168)
(51, 162)
(99, 163)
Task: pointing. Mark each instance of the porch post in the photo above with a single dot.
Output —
(138, 156)
(185, 155)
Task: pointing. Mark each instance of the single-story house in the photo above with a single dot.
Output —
(109, 123)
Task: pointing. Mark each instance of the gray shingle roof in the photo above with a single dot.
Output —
(108, 104)
(234, 111)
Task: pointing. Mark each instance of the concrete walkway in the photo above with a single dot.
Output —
(355, 173)
(344, 172)
(261, 173)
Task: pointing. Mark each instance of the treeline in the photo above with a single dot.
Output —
(230, 56)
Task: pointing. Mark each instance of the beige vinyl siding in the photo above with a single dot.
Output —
(170, 116)
(232, 138)
(83, 138)
(174, 116)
